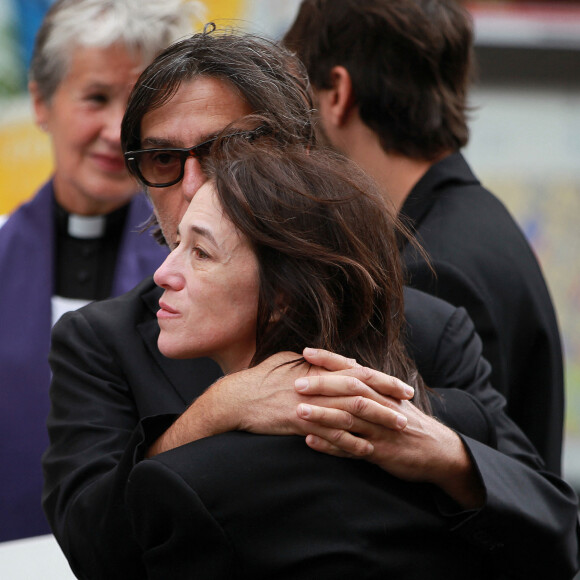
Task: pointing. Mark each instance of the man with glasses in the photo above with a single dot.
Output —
(117, 400)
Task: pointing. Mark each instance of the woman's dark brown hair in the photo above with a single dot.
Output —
(325, 240)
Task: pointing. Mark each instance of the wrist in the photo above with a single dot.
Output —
(216, 410)
(458, 478)
(210, 414)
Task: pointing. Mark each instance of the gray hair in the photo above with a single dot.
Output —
(144, 27)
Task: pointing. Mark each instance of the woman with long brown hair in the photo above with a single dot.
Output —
(280, 249)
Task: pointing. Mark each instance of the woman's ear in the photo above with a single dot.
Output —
(281, 307)
(39, 106)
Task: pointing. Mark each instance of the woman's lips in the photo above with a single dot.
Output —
(165, 311)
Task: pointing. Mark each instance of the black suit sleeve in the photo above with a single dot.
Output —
(528, 524)
(538, 410)
(96, 438)
(178, 535)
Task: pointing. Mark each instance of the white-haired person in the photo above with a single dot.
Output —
(78, 239)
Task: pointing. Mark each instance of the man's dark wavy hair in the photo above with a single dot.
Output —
(409, 61)
(266, 76)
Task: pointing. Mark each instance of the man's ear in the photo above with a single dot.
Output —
(340, 96)
(39, 106)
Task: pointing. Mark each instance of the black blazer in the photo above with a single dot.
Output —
(113, 393)
(240, 506)
(484, 263)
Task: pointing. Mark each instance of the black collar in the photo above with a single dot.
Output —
(452, 169)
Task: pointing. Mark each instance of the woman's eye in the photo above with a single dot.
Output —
(199, 253)
(98, 98)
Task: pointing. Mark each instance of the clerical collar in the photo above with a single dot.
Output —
(86, 250)
(86, 227)
(83, 227)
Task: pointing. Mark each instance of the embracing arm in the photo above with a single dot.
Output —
(263, 400)
(528, 521)
(260, 400)
(97, 437)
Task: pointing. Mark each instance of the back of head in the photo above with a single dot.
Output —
(409, 61)
(266, 76)
(144, 27)
(330, 274)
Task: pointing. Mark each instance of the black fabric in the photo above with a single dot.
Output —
(113, 393)
(85, 268)
(483, 262)
(273, 508)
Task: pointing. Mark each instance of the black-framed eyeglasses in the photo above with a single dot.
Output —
(166, 166)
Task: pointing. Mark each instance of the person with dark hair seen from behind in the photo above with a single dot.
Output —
(117, 400)
(77, 240)
(390, 79)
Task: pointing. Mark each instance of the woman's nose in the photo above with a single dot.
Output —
(168, 275)
(111, 131)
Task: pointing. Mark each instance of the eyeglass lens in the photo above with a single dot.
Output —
(165, 166)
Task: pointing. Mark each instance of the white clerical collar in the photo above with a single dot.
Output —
(86, 227)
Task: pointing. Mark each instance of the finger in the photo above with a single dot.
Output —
(328, 360)
(337, 385)
(352, 447)
(355, 414)
(335, 418)
(384, 384)
(381, 383)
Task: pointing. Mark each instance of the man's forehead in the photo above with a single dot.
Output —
(198, 110)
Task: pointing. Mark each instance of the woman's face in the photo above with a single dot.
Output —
(211, 281)
(83, 119)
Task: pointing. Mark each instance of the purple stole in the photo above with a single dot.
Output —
(26, 284)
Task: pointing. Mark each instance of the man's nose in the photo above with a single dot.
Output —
(193, 178)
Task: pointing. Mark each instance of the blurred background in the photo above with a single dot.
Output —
(525, 143)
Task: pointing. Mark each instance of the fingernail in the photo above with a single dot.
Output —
(401, 421)
(301, 384)
(310, 352)
(409, 391)
(304, 410)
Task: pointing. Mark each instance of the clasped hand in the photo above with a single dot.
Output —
(358, 412)
(343, 409)
(348, 410)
